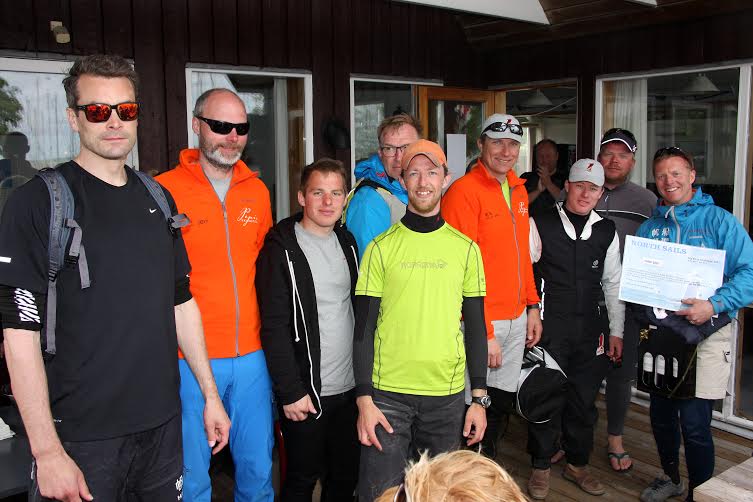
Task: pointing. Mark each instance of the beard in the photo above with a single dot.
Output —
(212, 153)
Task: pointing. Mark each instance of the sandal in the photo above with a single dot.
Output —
(619, 457)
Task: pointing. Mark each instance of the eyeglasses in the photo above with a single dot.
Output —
(100, 112)
(400, 494)
(220, 127)
(504, 126)
(391, 151)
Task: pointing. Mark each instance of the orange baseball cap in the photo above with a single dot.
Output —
(431, 150)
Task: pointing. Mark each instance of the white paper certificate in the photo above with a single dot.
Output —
(660, 274)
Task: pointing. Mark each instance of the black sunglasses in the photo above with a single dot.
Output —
(504, 126)
(220, 127)
(100, 112)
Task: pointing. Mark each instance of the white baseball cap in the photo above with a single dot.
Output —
(500, 126)
(587, 170)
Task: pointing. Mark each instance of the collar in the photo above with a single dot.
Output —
(482, 172)
(189, 159)
(593, 217)
(422, 224)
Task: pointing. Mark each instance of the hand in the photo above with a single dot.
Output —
(544, 177)
(615, 348)
(299, 411)
(699, 311)
(475, 424)
(533, 328)
(495, 353)
(59, 478)
(369, 416)
(216, 424)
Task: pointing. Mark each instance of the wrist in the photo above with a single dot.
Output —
(362, 401)
(478, 392)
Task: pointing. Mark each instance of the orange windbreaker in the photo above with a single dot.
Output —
(474, 204)
(223, 241)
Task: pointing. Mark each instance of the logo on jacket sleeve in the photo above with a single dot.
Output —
(522, 209)
(247, 216)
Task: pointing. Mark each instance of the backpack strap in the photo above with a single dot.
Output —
(155, 190)
(363, 183)
(62, 208)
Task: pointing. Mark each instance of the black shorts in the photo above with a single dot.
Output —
(145, 466)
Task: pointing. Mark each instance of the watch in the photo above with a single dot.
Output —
(533, 306)
(483, 401)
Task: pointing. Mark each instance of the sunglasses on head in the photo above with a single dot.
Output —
(504, 126)
(100, 112)
(670, 151)
(220, 127)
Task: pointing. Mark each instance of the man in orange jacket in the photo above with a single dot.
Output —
(230, 214)
(490, 205)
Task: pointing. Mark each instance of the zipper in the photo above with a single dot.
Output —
(235, 281)
(677, 225)
(230, 260)
(515, 238)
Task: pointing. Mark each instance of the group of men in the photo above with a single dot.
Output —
(353, 330)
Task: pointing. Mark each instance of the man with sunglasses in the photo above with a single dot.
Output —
(628, 205)
(230, 210)
(490, 205)
(103, 414)
(378, 200)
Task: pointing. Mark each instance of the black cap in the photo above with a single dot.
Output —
(623, 135)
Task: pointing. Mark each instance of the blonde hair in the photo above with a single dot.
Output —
(458, 476)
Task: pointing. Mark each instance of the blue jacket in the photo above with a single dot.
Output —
(699, 222)
(368, 215)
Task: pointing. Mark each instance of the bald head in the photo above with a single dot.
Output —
(220, 146)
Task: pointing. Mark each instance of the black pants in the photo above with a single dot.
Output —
(497, 419)
(574, 343)
(326, 449)
(145, 466)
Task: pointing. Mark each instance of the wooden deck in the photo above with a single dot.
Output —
(730, 450)
(639, 442)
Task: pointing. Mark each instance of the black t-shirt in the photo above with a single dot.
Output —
(545, 200)
(116, 367)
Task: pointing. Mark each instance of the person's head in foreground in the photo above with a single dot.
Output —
(424, 176)
(458, 476)
(674, 174)
(584, 186)
(499, 144)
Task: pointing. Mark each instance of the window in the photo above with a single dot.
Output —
(279, 111)
(372, 101)
(34, 129)
(696, 111)
(706, 112)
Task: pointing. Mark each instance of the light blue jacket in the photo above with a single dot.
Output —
(367, 214)
(699, 222)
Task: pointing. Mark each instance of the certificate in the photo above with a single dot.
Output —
(660, 274)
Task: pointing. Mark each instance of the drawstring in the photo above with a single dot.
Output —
(355, 257)
(293, 296)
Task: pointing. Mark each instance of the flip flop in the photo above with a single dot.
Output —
(618, 457)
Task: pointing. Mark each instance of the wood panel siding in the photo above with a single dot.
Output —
(332, 39)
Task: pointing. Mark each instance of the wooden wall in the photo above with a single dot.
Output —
(722, 38)
(330, 38)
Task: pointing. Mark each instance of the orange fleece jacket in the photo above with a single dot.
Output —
(474, 204)
(222, 279)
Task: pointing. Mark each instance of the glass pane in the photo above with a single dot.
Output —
(694, 111)
(456, 117)
(372, 102)
(546, 113)
(34, 129)
(276, 143)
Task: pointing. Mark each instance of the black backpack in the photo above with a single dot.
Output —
(62, 209)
